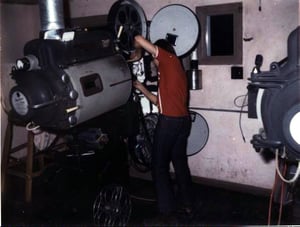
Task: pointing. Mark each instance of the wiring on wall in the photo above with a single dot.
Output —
(217, 110)
(244, 103)
(241, 111)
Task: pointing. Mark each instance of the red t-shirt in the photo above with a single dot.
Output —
(172, 87)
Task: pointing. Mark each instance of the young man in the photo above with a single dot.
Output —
(173, 128)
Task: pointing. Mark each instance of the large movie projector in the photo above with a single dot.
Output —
(274, 97)
(69, 76)
(66, 76)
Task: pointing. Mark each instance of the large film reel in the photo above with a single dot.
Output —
(179, 25)
(199, 134)
(131, 17)
(112, 206)
(174, 22)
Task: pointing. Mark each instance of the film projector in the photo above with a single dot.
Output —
(69, 76)
(274, 98)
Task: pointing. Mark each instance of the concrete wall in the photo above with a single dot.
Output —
(226, 157)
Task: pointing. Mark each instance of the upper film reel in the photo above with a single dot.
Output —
(175, 22)
(127, 19)
(179, 25)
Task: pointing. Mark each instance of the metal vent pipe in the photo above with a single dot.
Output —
(52, 17)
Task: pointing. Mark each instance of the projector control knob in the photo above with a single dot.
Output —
(72, 120)
(65, 78)
(73, 94)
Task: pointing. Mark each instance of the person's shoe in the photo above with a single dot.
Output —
(162, 220)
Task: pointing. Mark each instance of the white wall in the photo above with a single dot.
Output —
(225, 157)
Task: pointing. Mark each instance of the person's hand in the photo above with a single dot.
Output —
(138, 85)
(136, 55)
(149, 95)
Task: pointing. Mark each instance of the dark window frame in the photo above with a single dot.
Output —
(203, 12)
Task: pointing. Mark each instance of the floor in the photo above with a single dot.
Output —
(65, 196)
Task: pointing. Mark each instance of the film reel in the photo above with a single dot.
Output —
(179, 25)
(176, 23)
(199, 134)
(196, 141)
(130, 17)
(112, 206)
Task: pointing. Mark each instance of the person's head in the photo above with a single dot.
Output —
(166, 45)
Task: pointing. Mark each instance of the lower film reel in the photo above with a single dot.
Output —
(199, 134)
(197, 139)
(130, 16)
(112, 206)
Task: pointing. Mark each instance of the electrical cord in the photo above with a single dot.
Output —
(279, 173)
(42, 139)
(243, 103)
(271, 199)
(240, 115)
(32, 127)
(281, 197)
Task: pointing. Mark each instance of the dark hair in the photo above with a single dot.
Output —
(166, 45)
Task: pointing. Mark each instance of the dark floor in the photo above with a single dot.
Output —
(65, 197)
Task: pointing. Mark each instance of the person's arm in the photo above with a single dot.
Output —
(141, 42)
(149, 95)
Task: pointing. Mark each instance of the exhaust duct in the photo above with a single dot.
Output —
(52, 18)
